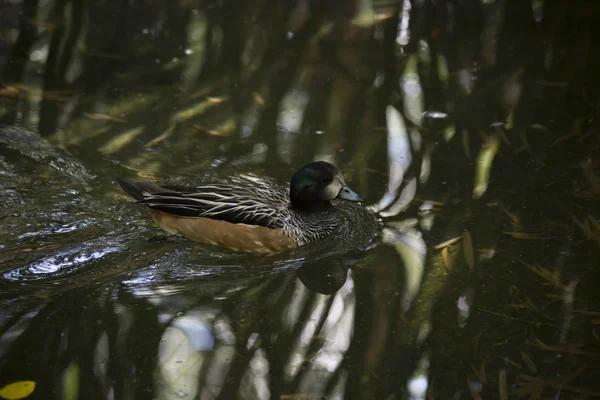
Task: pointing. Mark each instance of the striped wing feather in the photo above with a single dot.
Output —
(252, 206)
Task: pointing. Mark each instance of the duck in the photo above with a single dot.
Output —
(262, 220)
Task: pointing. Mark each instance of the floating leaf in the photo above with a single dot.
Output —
(17, 390)
(514, 219)
(447, 243)
(527, 236)
(446, 259)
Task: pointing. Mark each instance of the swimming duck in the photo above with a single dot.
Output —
(260, 220)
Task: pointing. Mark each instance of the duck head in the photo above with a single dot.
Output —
(314, 186)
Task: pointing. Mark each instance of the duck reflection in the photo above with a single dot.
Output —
(324, 279)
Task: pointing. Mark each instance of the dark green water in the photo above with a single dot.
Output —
(469, 120)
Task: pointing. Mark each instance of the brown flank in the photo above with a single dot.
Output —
(237, 237)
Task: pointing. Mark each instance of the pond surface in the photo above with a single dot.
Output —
(471, 130)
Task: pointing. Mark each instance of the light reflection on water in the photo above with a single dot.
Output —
(59, 263)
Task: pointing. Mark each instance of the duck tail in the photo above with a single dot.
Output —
(132, 189)
(141, 190)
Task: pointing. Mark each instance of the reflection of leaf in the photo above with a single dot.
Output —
(121, 140)
(103, 117)
(442, 68)
(71, 381)
(412, 249)
(399, 155)
(465, 142)
(529, 362)
(17, 390)
(484, 165)
(412, 93)
(194, 111)
(502, 386)
(164, 136)
(406, 197)
(591, 177)
(468, 249)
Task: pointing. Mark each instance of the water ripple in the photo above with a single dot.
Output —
(61, 262)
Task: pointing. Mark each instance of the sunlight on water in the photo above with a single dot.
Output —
(60, 263)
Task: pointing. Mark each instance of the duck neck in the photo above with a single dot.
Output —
(315, 223)
(311, 207)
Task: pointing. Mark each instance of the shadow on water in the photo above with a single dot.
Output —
(471, 127)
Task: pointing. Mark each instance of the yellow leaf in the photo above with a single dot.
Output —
(446, 259)
(447, 243)
(17, 390)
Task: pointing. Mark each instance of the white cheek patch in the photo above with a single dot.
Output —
(332, 190)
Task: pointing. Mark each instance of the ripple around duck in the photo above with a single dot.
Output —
(64, 262)
(178, 269)
(353, 237)
(130, 254)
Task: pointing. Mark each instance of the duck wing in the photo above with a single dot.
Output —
(253, 206)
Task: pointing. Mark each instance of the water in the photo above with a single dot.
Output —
(455, 127)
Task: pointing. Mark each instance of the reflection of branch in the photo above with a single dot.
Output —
(315, 343)
(535, 323)
(412, 250)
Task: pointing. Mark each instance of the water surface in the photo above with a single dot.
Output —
(470, 272)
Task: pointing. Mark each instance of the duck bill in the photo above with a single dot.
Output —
(347, 194)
